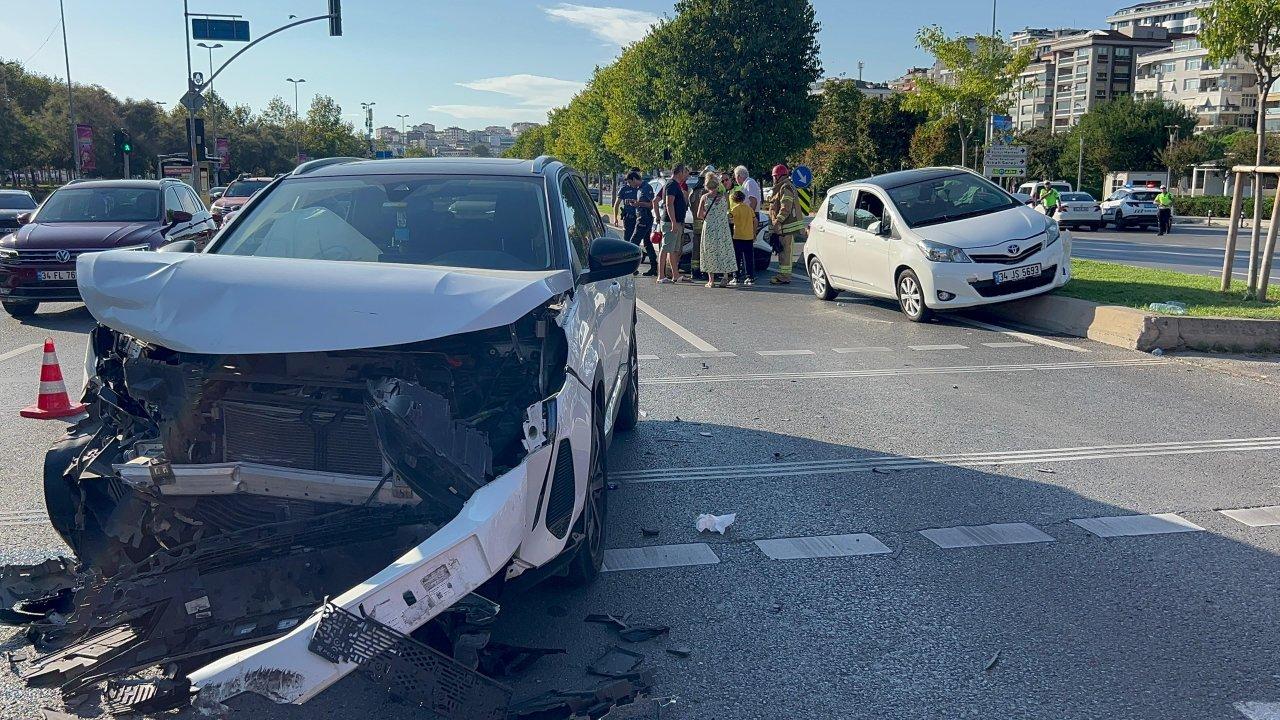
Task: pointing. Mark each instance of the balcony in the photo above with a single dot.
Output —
(1146, 85)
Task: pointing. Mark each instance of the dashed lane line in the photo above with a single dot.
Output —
(18, 351)
(675, 327)
(778, 353)
(825, 546)
(1259, 710)
(905, 462)
(1025, 336)
(870, 348)
(981, 535)
(1255, 517)
(1132, 525)
(938, 347)
(890, 372)
(646, 357)
(1013, 344)
(709, 354)
(658, 556)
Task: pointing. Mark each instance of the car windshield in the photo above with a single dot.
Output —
(944, 199)
(16, 201)
(244, 188)
(1144, 195)
(456, 221)
(101, 204)
(1077, 197)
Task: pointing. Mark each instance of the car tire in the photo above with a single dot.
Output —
(629, 406)
(588, 558)
(20, 310)
(1098, 225)
(819, 281)
(911, 297)
(1120, 227)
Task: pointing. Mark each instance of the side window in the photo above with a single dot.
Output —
(868, 209)
(838, 207)
(171, 201)
(578, 221)
(190, 202)
(593, 211)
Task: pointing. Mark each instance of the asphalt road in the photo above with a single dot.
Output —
(890, 447)
(1189, 248)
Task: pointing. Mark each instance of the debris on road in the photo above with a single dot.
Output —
(617, 662)
(619, 622)
(593, 703)
(1048, 471)
(649, 532)
(680, 650)
(705, 434)
(640, 633)
(992, 661)
(715, 523)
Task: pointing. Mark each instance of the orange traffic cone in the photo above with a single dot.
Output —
(53, 401)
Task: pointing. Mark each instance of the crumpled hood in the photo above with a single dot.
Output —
(85, 235)
(1014, 224)
(223, 304)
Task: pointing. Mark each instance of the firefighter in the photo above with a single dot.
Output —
(785, 221)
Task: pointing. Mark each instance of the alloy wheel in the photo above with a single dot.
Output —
(909, 295)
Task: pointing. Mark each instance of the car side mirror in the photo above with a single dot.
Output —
(179, 216)
(880, 227)
(609, 258)
(185, 246)
(24, 218)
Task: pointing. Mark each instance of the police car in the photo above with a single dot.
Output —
(1130, 207)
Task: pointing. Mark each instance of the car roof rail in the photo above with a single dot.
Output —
(310, 165)
(541, 162)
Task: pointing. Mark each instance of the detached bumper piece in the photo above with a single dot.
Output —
(409, 668)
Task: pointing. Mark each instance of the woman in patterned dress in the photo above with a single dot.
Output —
(717, 242)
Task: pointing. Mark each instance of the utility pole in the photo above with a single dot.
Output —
(214, 180)
(368, 123)
(1173, 137)
(71, 103)
(297, 123)
(988, 121)
(1080, 167)
(191, 114)
(404, 144)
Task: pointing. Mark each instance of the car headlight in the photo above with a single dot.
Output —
(1053, 233)
(8, 254)
(937, 252)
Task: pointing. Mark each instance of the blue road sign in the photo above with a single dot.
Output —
(382, 155)
(802, 176)
(219, 29)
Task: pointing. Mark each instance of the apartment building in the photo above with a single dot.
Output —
(1176, 16)
(1075, 70)
(521, 127)
(1220, 94)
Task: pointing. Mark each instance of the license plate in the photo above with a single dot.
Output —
(56, 275)
(1018, 273)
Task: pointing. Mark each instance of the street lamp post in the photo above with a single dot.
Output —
(368, 123)
(297, 124)
(71, 104)
(1173, 137)
(211, 48)
(404, 144)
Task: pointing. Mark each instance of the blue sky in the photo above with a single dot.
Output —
(472, 63)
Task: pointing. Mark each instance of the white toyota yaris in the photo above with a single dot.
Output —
(933, 239)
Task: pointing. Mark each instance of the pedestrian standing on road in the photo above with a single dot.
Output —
(1049, 199)
(743, 221)
(1164, 211)
(784, 221)
(750, 188)
(696, 191)
(717, 242)
(636, 199)
(675, 205)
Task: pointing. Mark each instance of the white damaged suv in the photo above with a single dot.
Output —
(384, 383)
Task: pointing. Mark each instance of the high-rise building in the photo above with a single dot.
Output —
(1176, 16)
(425, 128)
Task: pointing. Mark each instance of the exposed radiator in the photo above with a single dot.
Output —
(330, 437)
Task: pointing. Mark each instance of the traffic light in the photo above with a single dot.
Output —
(124, 142)
(335, 18)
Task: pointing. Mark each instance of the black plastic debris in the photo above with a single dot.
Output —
(616, 663)
(122, 697)
(618, 621)
(502, 660)
(640, 633)
(31, 593)
(594, 703)
(649, 532)
(680, 650)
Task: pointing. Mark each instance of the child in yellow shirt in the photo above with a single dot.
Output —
(743, 219)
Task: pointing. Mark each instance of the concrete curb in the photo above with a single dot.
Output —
(1138, 329)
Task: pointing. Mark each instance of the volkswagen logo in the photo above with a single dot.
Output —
(1013, 249)
(63, 256)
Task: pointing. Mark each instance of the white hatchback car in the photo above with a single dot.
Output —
(1079, 209)
(933, 239)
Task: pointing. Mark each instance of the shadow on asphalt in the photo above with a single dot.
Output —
(72, 319)
(1175, 625)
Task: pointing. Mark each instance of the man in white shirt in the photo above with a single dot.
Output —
(749, 186)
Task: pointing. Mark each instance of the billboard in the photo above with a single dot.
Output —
(84, 148)
(222, 148)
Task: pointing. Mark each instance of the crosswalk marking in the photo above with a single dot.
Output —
(1007, 344)
(980, 535)
(708, 354)
(889, 372)
(823, 546)
(939, 347)
(784, 352)
(675, 327)
(658, 556)
(1255, 517)
(872, 348)
(1131, 525)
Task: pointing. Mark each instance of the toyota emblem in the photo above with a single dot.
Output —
(63, 256)
(1013, 249)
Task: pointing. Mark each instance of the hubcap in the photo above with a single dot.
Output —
(909, 295)
(819, 280)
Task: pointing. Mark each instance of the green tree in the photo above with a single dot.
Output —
(885, 127)
(326, 134)
(834, 155)
(1124, 134)
(584, 122)
(1044, 151)
(1184, 154)
(981, 78)
(933, 144)
(480, 150)
(530, 144)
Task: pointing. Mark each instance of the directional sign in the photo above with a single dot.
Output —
(801, 176)
(1005, 160)
(220, 29)
(192, 101)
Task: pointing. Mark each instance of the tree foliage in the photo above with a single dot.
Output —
(1124, 134)
(1045, 150)
(856, 136)
(1249, 28)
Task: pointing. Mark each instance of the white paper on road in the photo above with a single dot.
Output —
(715, 523)
(219, 304)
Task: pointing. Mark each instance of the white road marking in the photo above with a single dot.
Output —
(1007, 344)
(1131, 525)
(871, 348)
(938, 347)
(824, 546)
(1259, 710)
(1255, 517)
(784, 352)
(1028, 337)
(646, 357)
(901, 462)
(889, 372)
(658, 556)
(980, 535)
(713, 353)
(675, 327)
(18, 351)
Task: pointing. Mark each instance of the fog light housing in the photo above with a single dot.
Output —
(944, 296)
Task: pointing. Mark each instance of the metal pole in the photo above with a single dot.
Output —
(1080, 166)
(1233, 230)
(1264, 274)
(191, 114)
(297, 122)
(71, 105)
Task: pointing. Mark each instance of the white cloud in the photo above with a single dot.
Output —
(615, 25)
(529, 90)
(491, 112)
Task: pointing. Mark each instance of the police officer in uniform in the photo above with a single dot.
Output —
(1164, 211)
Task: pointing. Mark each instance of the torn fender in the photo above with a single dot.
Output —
(458, 558)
